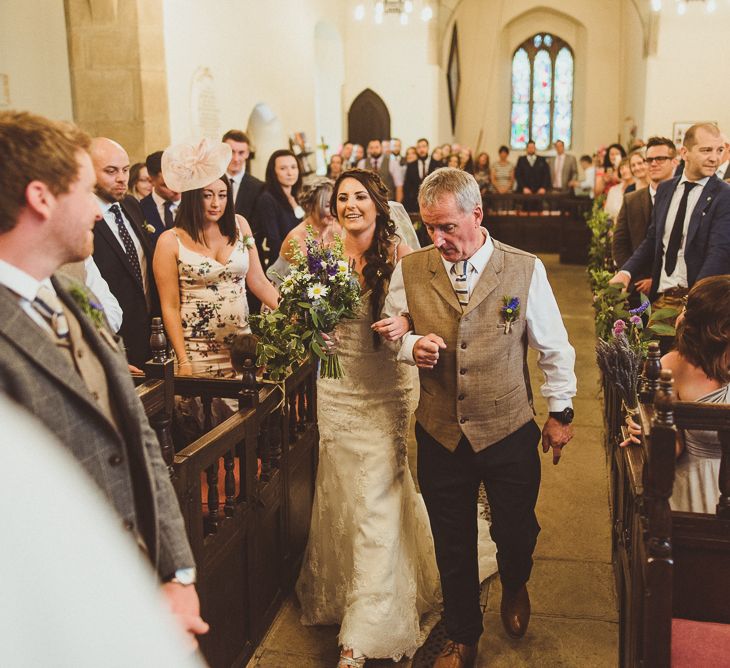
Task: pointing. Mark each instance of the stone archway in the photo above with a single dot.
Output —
(368, 118)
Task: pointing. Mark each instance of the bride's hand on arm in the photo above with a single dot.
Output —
(164, 265)
(255, 277)
(392, 329)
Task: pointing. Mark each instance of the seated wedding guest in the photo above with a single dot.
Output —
(701, 369)
(608, 176)
(411, 155)
(315, 200)
(245, 187)
(587, 185)
(277, 210)
(503, 172)
(140, 184)
(335, 168)
(615, 197)
(453, 161)
(80, 628)
(639, 170)
(123, 249)
(482, 173)
(205, 262)
(160, 206)
(59, 360)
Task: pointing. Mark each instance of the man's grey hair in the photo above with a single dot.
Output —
(449, 180)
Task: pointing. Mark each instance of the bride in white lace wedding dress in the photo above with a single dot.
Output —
(369, 564)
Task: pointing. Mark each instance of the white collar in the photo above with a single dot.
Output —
(700, 182)
(21, 283)
(479, 260)
(104, 205)
(237, 177)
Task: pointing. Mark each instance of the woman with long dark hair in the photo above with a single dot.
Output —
(277, 211)
(203, 265)
(369, 564)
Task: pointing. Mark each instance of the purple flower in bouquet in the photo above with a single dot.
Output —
(635, 320)
(619, 327)
(639, 309)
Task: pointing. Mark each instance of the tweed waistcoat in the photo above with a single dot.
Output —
(480, 387)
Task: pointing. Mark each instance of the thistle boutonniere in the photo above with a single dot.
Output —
(510, 311)
(150, 229)
(92, 309)
(248, 241)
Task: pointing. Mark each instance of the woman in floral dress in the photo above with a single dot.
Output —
(203, 265)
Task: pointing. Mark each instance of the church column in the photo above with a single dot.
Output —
(118, 72)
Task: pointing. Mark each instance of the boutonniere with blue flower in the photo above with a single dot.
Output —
(510, 311)
(248, 241)
(92, 309)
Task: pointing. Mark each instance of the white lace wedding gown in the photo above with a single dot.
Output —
(369, 564)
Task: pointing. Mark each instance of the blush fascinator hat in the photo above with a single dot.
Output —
(188, 167)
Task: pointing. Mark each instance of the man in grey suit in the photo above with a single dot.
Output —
(563, 168)
(59, 360)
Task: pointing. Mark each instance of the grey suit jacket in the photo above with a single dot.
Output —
(570, 170)
(128, 466)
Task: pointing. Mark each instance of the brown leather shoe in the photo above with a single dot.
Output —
(456, 655)
(515, 611)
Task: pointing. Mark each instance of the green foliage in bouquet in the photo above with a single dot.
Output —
(281, 347)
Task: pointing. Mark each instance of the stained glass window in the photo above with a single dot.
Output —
(542, 92)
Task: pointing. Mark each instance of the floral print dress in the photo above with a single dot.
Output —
(213, 306)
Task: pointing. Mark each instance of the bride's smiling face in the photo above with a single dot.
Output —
(215, 197)
(356, 211)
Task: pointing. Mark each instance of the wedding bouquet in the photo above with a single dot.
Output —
(320, 290)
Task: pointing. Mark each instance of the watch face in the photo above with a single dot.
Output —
(568, 415)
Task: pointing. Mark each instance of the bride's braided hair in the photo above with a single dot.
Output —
(378, 258)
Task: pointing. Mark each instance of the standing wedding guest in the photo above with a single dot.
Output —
(277, 210)
(639, 170)
(123, 249)
(483, 173)
(140, 184)
(59, 360)
(395, 151)
(346, 154)
(246, 187)
(415, 173)
(466, 162)
(635, 215)
(389, 170)
(475, 415)
(689, 235)
(587, 185)
(503, 172)
(700, 367)
(437, 154)
(532, 172)
(315, 199)
(615, 197)
(358, 153)
(607, 176)
(369, 564)
(335, 168)
(160, 206)
(205, 262)
(453, 161)
(563, 168)
(723, 170)
(411, 155)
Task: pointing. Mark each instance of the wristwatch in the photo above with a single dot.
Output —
(184, 576)
(565, 416)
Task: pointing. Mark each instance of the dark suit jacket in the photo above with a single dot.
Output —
(707, 248)
(533, 177)
(117, 272)
(270, 222)
(412, 182)
(248, 193)
(127, 466)
(631, 226)
(152, 216)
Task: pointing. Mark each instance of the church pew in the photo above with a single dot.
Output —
(679, 575)
(248, 534)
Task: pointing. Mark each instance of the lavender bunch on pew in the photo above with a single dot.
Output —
(620, 361)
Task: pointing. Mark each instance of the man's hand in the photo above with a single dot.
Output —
(392, 329)
(134, 369)
(644, 285)
(620, 278)
(426, 351)
(526, 191)
(541, 191)
(184, 604)
(555, 435)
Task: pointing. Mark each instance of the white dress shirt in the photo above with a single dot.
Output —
(558, 174)
(160, 204)
(111, 223)
(652, 193)
(545, 329)
(235, 180)
(722, 171)
(678, 279)
(96, 283)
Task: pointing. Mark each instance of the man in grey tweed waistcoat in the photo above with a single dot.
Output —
(66, 367)
(475, 305)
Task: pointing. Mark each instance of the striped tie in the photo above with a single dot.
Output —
(49, 306)
(461, 287)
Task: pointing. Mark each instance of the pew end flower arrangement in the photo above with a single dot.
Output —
(320, 290)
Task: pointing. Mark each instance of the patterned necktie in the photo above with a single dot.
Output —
(375, 164)
(169, 219)
(49, 306)
(129, 248)
(675, 238)
(461, 287)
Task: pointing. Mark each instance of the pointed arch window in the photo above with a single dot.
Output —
(542, 92)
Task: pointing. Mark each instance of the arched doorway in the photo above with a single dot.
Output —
(368, 118)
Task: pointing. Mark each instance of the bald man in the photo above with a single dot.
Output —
(123, 250)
